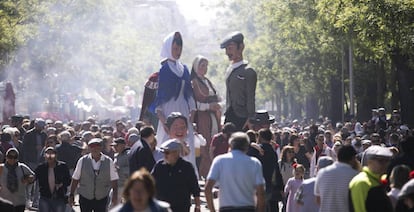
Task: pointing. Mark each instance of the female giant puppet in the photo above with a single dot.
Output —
(174, 93)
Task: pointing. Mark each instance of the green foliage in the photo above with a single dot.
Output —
(16, 19)
(376, 27)
(298, 49)
(299, 44)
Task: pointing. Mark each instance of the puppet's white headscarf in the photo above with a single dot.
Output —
(166, 53)
(196, 62)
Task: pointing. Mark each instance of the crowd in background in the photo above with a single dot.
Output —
(298, 146)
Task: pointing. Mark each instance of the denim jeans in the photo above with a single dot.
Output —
(32, 190)
(51, 205)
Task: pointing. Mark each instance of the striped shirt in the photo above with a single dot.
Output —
(332, 186)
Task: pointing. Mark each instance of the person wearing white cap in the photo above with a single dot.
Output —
(14, 176)
(381, 121)
(176, 178)
(331, 186)
(364, 145)
(54, 178)
(121, 163)
(366, 191)
(96, 175)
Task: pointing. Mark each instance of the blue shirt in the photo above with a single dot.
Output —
(238, 176)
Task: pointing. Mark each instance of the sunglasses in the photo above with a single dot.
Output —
(290, 151)
(12, 157)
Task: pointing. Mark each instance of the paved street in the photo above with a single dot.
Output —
(203, 201)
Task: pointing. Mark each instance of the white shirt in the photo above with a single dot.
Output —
(327, 151)
(332, 186)
(234, 66)
(96, 165)
(394, 193)
(199, 140)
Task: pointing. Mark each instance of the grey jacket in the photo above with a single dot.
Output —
(241, 91)
(18, 197)
(122, 166)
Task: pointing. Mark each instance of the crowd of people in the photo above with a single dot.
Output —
(120, 166)
(250, 163)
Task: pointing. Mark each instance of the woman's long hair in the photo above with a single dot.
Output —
(283, 157)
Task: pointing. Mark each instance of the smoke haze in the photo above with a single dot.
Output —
(88, 50)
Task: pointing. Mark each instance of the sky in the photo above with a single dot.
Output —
(193, 9)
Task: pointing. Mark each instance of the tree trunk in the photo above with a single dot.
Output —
(335, 107)
(285, 105)
(295, 107)
(311, 107)
(393, 88)
(366, 98)
(405, 76)
(381, 84)
(279, 99)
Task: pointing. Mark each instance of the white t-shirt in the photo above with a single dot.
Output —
(332, 186)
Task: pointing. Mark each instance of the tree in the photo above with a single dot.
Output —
(16, 19)
(381, 32)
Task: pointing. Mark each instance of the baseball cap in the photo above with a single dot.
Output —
(171, 145)
(86, 133)
(324, 161)
(95, 141)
